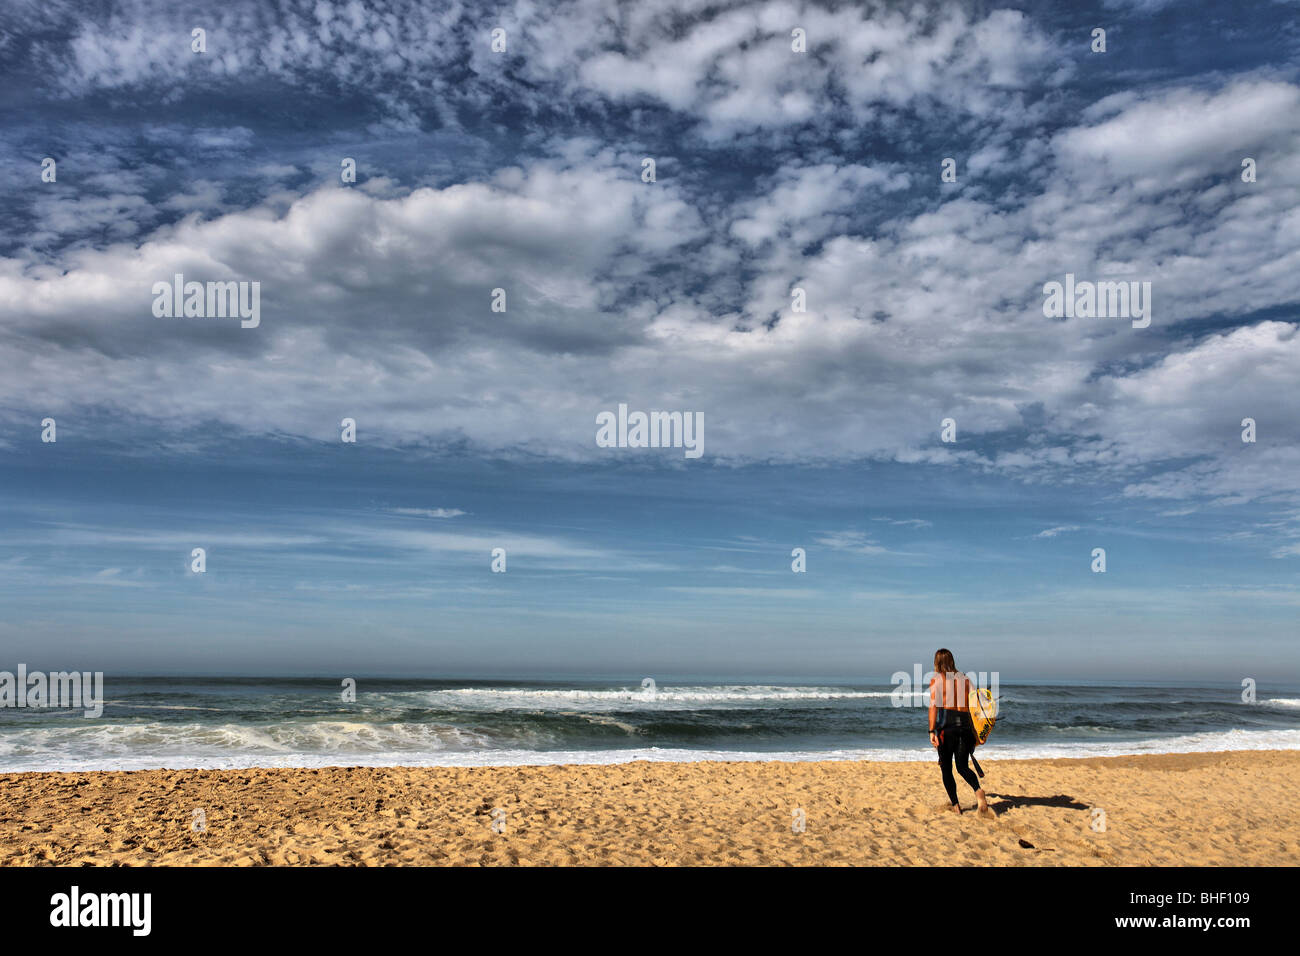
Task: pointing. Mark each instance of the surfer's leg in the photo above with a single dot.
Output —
(967, 774)
(945, 767)
(965, 749)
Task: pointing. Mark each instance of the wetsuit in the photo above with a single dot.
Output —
(956, 738)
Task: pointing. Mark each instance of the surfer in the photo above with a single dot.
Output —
(951, 731)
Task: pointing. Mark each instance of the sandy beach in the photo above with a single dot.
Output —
(1201, 809)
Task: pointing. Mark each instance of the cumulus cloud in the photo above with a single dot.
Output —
(736, 70)
(611, 296)
(732, 66)
(923, 302)
(1182, 135)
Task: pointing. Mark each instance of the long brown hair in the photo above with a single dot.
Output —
(946, 673)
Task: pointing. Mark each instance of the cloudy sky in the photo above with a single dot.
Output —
(523, 170)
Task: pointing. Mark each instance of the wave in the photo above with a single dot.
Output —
(162, 741)
(496, 698)
(158, 746)
(603, 721)
(118, 703)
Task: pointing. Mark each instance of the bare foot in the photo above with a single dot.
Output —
(984, 810)
(956, 808)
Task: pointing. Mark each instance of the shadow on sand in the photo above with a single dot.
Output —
(1000, 803)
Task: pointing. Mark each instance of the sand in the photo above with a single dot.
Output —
(1234, 809)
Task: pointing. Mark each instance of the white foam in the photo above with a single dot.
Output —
(287, 757)
(666, 698)
(143, 745)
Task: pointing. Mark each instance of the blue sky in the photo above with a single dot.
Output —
(522, 170)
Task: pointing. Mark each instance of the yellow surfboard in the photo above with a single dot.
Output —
(983, 713)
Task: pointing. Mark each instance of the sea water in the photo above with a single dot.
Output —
(305, 722)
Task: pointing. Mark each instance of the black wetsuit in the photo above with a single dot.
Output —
(956, 739)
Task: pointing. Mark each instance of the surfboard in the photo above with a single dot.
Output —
(983, 713)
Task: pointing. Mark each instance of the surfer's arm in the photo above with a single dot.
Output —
(932, 709)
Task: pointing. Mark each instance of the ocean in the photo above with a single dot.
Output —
(262, 722)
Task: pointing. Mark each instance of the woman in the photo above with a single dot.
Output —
(951, 731)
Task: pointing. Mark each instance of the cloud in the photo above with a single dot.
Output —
(1053, 532)
(923, 302)
(734, 69)
(730, 69)
(852, 542)
(572, 241)
(622, 291)
(1180, 135)
(429, 512)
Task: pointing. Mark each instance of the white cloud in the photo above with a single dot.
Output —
(852, 542)
(921, 306)
(732, 68)
(1181, 135)
(1053, 532)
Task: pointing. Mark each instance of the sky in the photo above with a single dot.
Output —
(503, 268)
